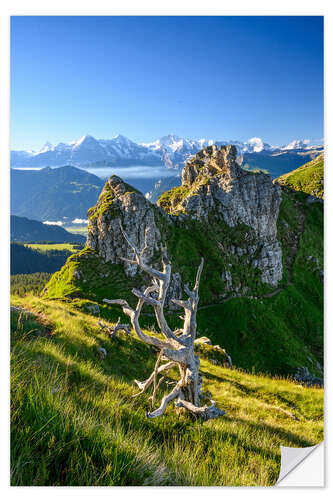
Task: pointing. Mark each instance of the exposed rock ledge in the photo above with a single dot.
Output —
(215, 190)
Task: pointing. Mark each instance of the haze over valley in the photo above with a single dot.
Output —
(155, 167)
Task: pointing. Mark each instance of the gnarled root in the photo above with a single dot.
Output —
(146, 383)
(112, 330)
(169, 397)
(203, 412)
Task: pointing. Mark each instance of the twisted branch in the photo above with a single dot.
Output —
(164, 403)
(146, 383)
(204, 412)
(112, 330)
(177, 346)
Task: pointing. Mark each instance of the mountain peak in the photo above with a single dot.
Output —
(84, 140)
(169, 150)
(297, 144)
(122, 139)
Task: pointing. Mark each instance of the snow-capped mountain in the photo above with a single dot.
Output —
(297, 144)
(173, 144)
(171, 151)
(85, 151)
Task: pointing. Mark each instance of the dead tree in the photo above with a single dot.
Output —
(113, 330)
(177, 348)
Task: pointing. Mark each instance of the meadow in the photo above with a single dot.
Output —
(75, 421)
(44, 247)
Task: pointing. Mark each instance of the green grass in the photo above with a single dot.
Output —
(170, 200)
(275, 334)
(308, 178)
(74, 421)
(44, 247)
(85, 275)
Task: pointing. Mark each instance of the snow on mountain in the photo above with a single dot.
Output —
(47, 147)
(297, 144)
(255, 145)
(170, 150)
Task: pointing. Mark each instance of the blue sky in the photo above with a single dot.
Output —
(145, 77)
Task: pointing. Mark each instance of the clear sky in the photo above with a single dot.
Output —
(144, 77)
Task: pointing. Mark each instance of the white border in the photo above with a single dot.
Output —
(144, 7)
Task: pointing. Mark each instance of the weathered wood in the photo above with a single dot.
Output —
(177, 346)
(112, 330)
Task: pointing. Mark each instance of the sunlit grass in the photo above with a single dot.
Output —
(74, 421)
(44, 247)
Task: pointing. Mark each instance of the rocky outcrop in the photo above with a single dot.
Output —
(219, 185)
(117, 203)
(304, 376)
(120, 203)
(216, 193)
(214, 353)
(215, 187)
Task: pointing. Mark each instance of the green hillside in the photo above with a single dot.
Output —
(52, 194)
(74, 421)
(308, 178)
(74, 418)
(270, 330)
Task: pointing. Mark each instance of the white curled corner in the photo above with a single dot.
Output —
(291, 458)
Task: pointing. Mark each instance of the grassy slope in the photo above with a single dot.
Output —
(74, 421)
(274, 334)
(308, 178)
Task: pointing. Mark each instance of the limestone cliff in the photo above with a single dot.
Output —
(215, 187)
(217, 197)
(119, 202)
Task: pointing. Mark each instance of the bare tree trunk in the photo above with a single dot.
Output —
(178, 346)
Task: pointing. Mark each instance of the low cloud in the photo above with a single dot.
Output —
(134, 172)
(53, 223)
(80, 221)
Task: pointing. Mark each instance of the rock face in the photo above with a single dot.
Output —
(220, 185)
(120, 203)
(215, 186)
(215, 192)
(304, 376)
(117, 203)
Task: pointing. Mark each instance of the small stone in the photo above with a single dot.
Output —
(102, 352)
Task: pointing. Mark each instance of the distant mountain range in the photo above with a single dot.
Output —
(171, 151)
(29, 231)
(53, 194)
